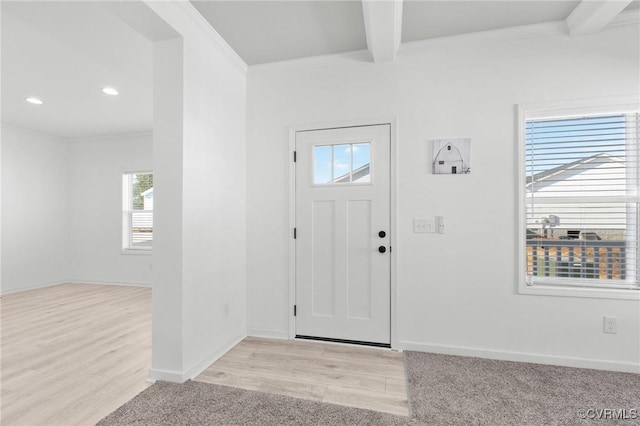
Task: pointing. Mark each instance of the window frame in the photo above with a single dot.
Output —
(559, 110)
(127, 192)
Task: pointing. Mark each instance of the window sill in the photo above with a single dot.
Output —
(136, 252)
(567, 291)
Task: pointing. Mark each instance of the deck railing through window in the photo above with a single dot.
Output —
(584, 259)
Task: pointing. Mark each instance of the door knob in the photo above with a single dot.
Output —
(382, 249)
(382, 234)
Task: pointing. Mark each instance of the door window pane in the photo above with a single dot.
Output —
(361, 161)
(341, 163)
(338, 164)
(322, 164)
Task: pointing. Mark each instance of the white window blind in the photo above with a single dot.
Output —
(137, 211)
(582, 201)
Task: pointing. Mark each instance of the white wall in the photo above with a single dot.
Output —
(35, 213)
(214, 240)
(457, 291)
(199, 295)
(167, 330)
(95, 200)
(62, 209)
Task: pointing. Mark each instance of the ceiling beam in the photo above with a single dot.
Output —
(591, 16)
(383, 27)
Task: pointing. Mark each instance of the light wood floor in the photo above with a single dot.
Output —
(73, 353)
(346, 375)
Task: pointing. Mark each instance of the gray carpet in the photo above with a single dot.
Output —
(442, 390)
(446, 389)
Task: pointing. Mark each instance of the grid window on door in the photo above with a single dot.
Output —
(340, 164)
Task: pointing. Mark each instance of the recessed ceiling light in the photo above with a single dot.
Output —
(110, 91)
(34, 101)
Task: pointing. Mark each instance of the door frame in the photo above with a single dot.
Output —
(393, 205)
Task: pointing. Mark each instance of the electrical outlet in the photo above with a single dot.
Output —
(611, 325)
(226, 310)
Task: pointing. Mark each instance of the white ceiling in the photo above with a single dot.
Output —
(423, 20)
(268, 31)
(64, 53)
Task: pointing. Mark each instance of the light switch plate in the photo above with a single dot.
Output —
(424, 224)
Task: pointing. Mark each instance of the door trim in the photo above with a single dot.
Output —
(393, 204)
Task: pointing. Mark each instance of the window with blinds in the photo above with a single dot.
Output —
(137, 200)
(581, 196)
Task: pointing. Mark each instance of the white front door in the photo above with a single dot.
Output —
(343, 260)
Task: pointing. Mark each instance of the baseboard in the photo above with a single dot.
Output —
(213, 357)
(119, 283)
(75, 281)
(272, 334)
(31, 287)
(156, 374)
(182, 376)
(595, 364)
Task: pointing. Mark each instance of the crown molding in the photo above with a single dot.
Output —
(523, 32)
(171, 11)
(25, 130)
(501, 35)
(627, 17)
(212, 35)
(545, 29)
(78, 139)
(361, 55)
(111, 136)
